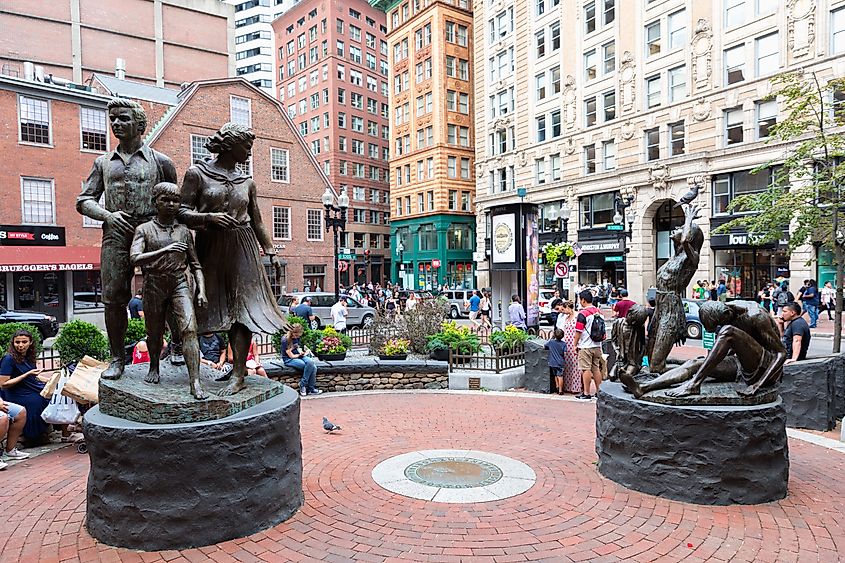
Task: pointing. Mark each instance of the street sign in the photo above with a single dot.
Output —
(564, 283)
(614, 258)
(615, 227)
(561, 270)
(708, 340)
(343, 256)
(521, 192)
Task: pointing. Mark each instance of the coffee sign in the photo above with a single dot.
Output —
(31, 235)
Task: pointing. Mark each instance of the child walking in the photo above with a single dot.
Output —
(557, 348)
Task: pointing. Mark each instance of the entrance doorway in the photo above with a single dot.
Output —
(43, 292)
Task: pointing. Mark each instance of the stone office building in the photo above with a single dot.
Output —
(599, 103)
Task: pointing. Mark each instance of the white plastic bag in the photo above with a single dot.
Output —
(61, 410)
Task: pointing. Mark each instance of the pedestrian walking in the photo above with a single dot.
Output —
(474, 305)
(811, 301)
(589, 349)
(566, 322)
(828, 299)
(339, 313)
(486, 309)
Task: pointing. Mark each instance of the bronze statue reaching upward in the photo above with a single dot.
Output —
(747, 349)
(669, 321)
(221, 203)
(125, 178)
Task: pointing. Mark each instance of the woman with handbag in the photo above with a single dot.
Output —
(20, 384)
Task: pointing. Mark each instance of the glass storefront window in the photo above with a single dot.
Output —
(459, 237)
(459, 275)
(428, 237)
(87, 290)
(747, 270)
(597, 210)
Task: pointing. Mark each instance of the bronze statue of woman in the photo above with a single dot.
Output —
(221, 203)
(670, 321)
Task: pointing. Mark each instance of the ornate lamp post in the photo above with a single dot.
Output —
(564, 213)
(622, 204)
(336, 221)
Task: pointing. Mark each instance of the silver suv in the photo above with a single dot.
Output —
(458, 299)
(321, 303)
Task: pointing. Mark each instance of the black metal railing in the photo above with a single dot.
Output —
(496, 360)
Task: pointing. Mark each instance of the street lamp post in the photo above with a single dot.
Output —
(564, 213)
(336, 221)
(400, 249)
(622, 205)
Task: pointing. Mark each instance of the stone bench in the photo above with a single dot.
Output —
(366, 373)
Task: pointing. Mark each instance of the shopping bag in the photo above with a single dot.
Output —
(61, 410)
(50, 386)
(83, 384)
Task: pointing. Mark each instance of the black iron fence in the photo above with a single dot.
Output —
(496, 361)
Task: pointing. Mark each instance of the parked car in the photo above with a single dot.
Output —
(547, 295)
(321, 302)
(694, 327)
(46, 324)
(457, 298)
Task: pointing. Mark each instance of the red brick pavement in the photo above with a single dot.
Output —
(571, 513)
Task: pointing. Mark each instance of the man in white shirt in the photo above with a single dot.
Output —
(339, 313)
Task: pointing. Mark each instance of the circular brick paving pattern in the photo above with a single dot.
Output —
(571, 512)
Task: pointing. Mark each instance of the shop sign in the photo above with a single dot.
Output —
(741, 239)
(44, 267)
(601, 246)
(435, 263)
(504, 247)
(30, 235)
(614, 258)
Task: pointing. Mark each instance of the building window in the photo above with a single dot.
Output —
(733, 126)
(541, 128)
(590, 62)
(590, 111)
(609, 100)
(37, 201)
(609, 13)
(590, 159)
(735, 12)
(281, 223)
(279, 165)
(677, 84)
(315, 224)
(652, 144)
(767, 54)
(766, 117)
(676, 138)
(652, 39)
(453, 200)
(597, 210)
(198, 151)
(837, 31)
(728, 186)
(555, 79)
(93, 129)
(540, 171)
(430, 200)
(555, 161)
(652, 91)
(677, 25)
(735, 64)
(34, 120)
(589, 17)
(459, 237)
(541, 43)
(452, 167)
(540, 80)
(465, 169)
(608, 150)
(609, 56)
(240, 111)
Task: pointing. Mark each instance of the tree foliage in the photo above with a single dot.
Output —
(810, 172)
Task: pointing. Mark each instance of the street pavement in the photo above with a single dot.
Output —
(571, 513)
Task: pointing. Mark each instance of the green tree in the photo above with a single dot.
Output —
(806, 194)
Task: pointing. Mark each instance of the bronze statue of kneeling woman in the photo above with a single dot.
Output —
(221, 203)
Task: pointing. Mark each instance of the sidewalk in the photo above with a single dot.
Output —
(825, 327)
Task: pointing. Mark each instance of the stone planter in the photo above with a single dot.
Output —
(393, 357)
(331, 357)
(439, 354)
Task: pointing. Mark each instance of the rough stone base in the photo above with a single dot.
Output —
(701, 454)
(809, 392)
(537, 375)
(171, 402)
(176, 486)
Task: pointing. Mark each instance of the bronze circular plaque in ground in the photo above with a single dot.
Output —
(453, 472)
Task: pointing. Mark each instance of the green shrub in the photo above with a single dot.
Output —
(79, 338)
(136, 330)
(7, 330)
(508, 339)
(458, 338)
(423, 321)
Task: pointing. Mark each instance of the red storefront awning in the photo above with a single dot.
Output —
(48, 258)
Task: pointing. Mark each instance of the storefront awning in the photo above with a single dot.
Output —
(48, 259)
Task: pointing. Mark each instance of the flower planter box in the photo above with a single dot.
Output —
(394, 357)
(331, 357)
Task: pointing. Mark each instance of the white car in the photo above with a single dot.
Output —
(544, 301)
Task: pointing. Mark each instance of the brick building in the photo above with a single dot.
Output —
(332, 75)
(289, 179)
(49, 255)
(433, 178)
(163, 42)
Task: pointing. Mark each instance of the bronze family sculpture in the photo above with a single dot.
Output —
(216, 200)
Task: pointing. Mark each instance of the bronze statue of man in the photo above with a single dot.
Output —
(668, 325)
(748, 348)
(124, 178)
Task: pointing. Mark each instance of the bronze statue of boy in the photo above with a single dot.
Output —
(628, 339)
(124, 178)
(164, 249)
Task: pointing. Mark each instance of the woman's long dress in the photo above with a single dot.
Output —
(27, 394)
(236, 282)
(571, 375)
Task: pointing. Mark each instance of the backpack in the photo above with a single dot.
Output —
(598, 332)
(782, 298)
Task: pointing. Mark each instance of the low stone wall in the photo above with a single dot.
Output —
(361, 374)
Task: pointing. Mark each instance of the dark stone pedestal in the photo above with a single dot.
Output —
(700, 454)
(809, 392)
(175, 486)
(537, 375)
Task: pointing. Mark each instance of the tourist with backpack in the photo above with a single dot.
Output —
(590, 332)
(784, 296)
